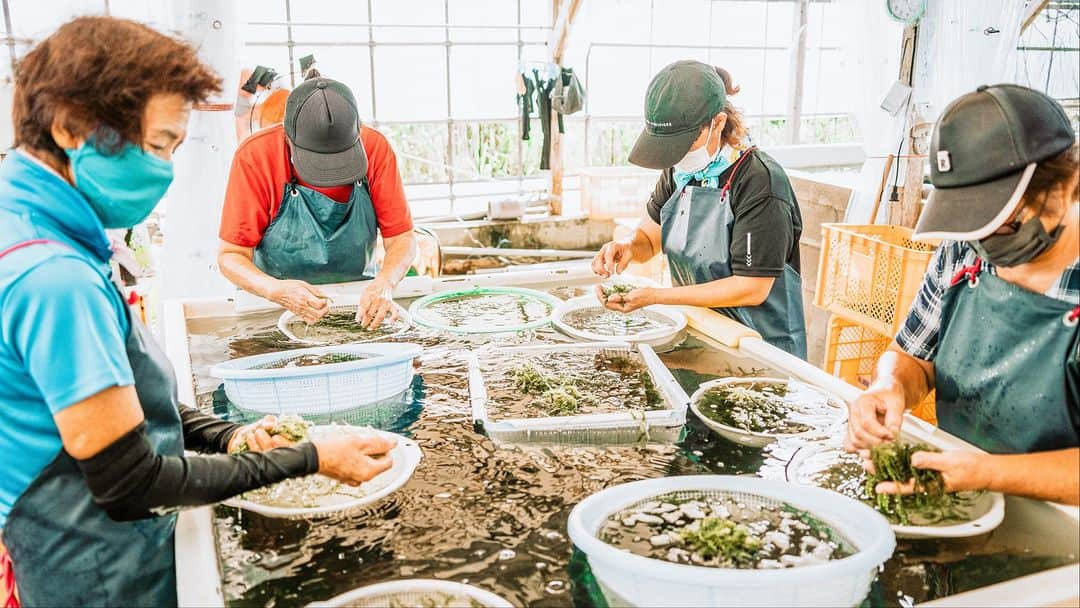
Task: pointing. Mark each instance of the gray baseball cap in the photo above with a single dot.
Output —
(681, 98)
(322, 126)
(984, 149)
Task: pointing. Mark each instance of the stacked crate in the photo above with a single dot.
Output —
(867, 278)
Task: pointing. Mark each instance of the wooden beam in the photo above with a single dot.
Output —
(562, 14)
(906, 211)
(1031, 11)
(881, 187)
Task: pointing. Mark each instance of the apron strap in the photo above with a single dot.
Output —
(18, 246)
(742, 157)
(7, 574)
(971, 273)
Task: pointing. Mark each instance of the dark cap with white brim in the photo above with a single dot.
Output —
(984, 150)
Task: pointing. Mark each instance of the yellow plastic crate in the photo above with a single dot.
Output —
(870, 274)
(851, 354)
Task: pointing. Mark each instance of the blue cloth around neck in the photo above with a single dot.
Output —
(707, 176)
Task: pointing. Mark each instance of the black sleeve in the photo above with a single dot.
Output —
(129, 480)
(665, 187)
(762, 237)
(204, 433)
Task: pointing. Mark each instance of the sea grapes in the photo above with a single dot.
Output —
(892, 462)
(722, 538)
(293, 428)
(618, 288)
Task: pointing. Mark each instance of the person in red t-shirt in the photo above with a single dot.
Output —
(305, 202)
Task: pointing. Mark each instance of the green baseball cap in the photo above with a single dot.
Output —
(682, 97)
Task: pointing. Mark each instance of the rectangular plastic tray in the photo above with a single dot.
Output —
(663, 425)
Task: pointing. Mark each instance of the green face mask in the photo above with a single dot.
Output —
(1020, 247)
(122, 188)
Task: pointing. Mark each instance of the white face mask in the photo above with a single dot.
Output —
(696, 160)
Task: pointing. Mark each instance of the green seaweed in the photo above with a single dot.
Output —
(531, 380)
(567, 383)
(340, 326)
(929, 501)
(564, 400)
(293, 428)
(757, 407)
(722, 538)
(558, 393)
(311, 360)
(618, 288)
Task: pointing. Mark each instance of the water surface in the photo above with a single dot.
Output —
(496, 517)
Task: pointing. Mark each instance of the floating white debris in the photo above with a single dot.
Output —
(672, 518)
(778, 539)
(692, 510)
(660, 540)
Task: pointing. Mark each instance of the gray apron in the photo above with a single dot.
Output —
(65, 549)
(316, 239)
(1001, 366)
(696, 228)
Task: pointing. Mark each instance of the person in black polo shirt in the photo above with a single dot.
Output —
(722, 211)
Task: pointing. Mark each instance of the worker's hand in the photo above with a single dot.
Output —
(353, 460)
(961, 471)
(303, 299)
(613, 258)
(376, 305)
(258, 436)
(630, 301)
(874, 417)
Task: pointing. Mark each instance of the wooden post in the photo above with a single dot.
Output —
(1032, 11)
(562, 14)
(906, 213)
(794, 119)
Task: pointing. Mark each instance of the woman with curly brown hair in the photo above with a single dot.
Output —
(92, 435)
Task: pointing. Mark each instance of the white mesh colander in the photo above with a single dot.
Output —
(638, 580)
(659, 338)
(755, 439)
(415, 592)
(421, 316)
(384, 371)
(297, 330)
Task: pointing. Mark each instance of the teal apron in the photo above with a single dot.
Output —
(1001, 366)
(316, 239)
(696, 228)
(65, 549)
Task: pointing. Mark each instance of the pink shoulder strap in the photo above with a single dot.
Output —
(18, 246)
